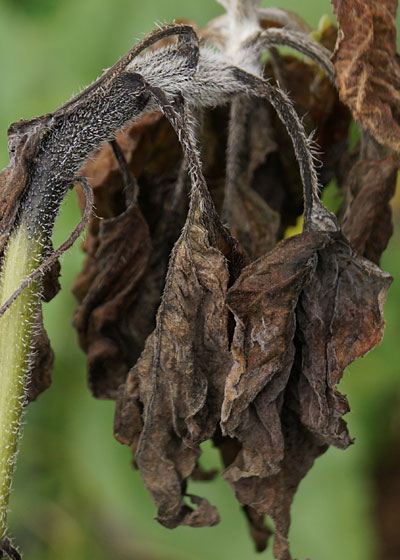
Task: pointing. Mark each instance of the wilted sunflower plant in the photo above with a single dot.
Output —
(198, 314)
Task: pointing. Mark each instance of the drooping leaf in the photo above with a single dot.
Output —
(118, 266)
(181, 372)
(303, 313)
(369, 185)
(340, 318)
(263, 301)
(180, 376)
(42, 362)
(274, 494)
(368, 66)
(121, 284)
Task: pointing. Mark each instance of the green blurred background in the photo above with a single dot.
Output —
(75, 494)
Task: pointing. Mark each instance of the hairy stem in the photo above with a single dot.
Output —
(16, 331)
(67, 137)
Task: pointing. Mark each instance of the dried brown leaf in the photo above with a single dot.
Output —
(253, 222)
(274, 494)
(259, 530)
(181, 372)
(340, 318)
(367, 66)
(41, 364)
(263, 301)
(113, 271)
(303, 313)
(122, 280)
(265, 388)
(369, 186)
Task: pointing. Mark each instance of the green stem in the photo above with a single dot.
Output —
(16, 330)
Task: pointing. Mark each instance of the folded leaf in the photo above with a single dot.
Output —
(368, 66)
(181, 373)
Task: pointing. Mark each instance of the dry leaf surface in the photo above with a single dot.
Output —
(194, 341)
(250, 358)
(368, 66)
(369, 186)
(121, 284)
(303, 313)
(179, 378)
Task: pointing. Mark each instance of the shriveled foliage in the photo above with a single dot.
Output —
(197, 316)
(249, 356)
(368, 66)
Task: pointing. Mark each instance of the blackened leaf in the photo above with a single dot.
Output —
(181, 373)
(368, 67)
(42, 362)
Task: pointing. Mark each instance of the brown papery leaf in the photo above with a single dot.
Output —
(120, 286)
(42, 362)
(303, 313)
(274, 494)
(263, 301)
(369, 186)
(114, 272)
(340, 318)
(253, 222)
(180, 375)
(368, 67)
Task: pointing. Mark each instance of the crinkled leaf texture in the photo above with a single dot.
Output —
(303, 313)
(369, 185)
(368, 66)
(120, 286)
(198, 344)
(194, 340)
(179, 378)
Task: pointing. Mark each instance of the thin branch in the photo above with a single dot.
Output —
(131, 189)
(316, 216)
(298, 41)
(239, 113)
(166, 31)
